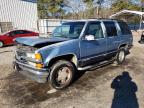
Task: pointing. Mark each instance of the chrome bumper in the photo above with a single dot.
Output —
(38, 75)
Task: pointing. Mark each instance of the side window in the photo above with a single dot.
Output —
(13, 33)
(110, 28)
(20, 32)
(124, 28)
(25, 32)
(94, 28)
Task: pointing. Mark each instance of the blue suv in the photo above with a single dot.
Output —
(75, 45)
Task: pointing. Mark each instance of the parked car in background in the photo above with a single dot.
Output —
(8, 37)
(75, 45)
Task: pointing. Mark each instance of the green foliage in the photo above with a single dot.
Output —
(89, 3)
(42, 10)
(93, 8)
(47, 8)
(121, 4)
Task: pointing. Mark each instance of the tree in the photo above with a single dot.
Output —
(142, 5)
(42, 9)
(121, 4)
(50, 8)
(94, 5)
(75, 6)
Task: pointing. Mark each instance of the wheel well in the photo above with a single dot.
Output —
(1, 41)
(123, 45)
(69, 57)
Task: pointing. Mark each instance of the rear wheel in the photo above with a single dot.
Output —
(62, 74)
(1, 44)
(120, 57)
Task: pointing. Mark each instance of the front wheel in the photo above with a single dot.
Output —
(120, 57)
(1, 44)
(62, 74)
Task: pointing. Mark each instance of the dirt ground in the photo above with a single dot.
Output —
(100, 88)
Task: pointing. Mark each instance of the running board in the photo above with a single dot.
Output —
(95, 66)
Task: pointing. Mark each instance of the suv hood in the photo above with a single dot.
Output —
(39, 41)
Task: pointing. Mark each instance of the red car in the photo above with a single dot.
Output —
(7, 38)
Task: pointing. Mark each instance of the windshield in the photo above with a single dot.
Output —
(69, 30)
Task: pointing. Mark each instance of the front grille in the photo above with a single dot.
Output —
(21, 53)
(22, 50)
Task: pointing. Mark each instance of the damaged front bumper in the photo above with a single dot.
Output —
(38, 75)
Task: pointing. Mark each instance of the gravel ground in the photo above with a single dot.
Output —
(92, 89)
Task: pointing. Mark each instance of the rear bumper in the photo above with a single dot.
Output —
(38, 75)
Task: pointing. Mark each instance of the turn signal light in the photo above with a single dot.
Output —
(39, 66)
(38, 56)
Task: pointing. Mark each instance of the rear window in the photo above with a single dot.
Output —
(110, 28)
(124, 28)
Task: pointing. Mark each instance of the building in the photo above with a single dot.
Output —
(18, 14)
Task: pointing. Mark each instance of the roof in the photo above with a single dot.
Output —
(32, 1)
(127, 12)
(86, 20)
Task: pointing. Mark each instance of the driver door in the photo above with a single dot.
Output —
(93, 51)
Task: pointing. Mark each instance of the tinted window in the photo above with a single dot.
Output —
(13, 33)
(94, 28)
(17, 32)
(124, 28)
(110, 28)
(25, 32)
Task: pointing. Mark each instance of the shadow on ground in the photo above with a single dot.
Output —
(125, 92)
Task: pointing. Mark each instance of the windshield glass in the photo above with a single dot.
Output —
(69, 30)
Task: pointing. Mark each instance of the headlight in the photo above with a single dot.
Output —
(30, 55)
(36, 56)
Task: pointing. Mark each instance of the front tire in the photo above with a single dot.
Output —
(120, 57)
(1, 44)
(62, 74)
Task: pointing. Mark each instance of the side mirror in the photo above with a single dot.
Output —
(89, 37)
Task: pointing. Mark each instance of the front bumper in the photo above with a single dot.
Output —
(38, 75)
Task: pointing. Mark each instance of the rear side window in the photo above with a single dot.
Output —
(110, 28)
(124, 28)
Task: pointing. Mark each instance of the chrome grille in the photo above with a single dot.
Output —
(22, 50)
